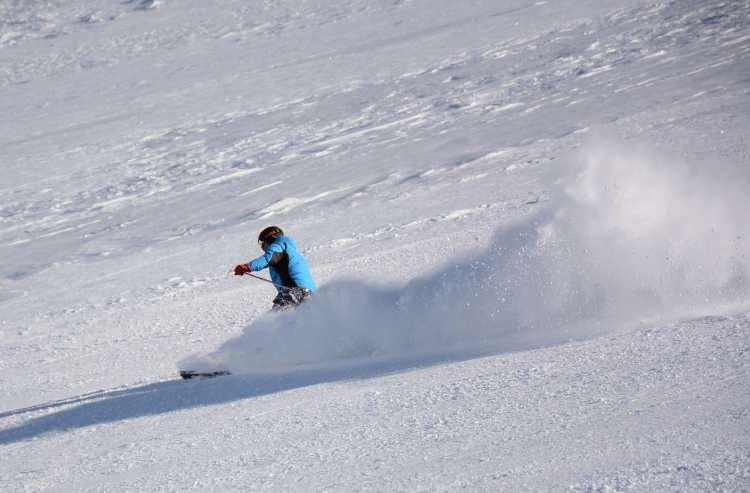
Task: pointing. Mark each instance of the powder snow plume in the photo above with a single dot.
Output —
(631, 234)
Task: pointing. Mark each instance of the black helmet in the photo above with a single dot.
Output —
(269, 234)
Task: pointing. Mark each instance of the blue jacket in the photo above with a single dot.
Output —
(287, 266)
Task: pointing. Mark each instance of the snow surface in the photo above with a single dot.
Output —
(529, 221)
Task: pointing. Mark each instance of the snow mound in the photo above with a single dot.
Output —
(630, 235)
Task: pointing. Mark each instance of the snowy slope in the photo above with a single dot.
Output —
(529, 220)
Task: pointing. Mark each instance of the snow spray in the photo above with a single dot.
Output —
(630, 234)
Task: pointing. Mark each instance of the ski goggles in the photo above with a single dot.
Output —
(263, 244)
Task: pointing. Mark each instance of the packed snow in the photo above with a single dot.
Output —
(528, 220)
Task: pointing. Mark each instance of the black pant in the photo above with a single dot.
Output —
(290, 298)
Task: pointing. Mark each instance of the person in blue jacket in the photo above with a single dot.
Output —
(288, 268)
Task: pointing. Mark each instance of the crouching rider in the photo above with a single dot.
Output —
(288, 268)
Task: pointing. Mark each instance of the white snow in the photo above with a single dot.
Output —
(529, 222)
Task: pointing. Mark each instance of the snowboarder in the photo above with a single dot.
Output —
(288, 268)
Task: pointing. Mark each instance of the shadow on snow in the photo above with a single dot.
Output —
(101, 408)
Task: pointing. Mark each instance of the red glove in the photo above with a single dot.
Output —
(241, 269)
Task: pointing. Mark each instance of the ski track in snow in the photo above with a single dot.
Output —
(519, 407)
(146, 142)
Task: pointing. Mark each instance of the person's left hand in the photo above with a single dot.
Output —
(242, 269)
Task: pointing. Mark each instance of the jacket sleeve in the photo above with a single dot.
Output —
(272, 256)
